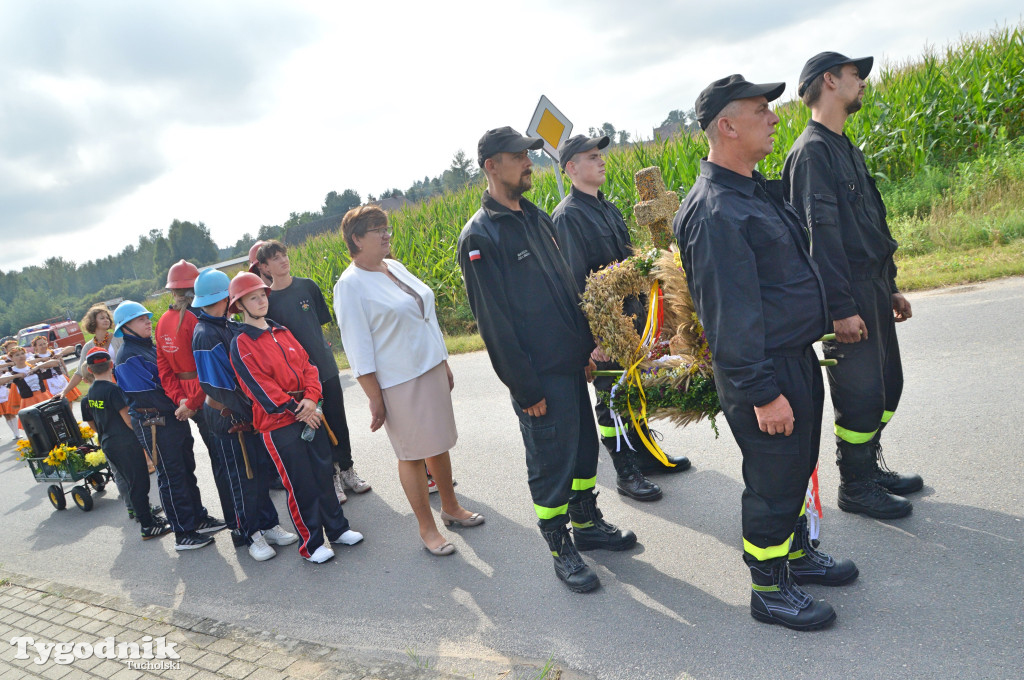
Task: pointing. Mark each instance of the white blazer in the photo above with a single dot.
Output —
(381, 326)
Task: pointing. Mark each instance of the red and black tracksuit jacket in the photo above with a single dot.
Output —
(270, 363)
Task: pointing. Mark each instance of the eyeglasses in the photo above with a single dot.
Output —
(382, 231)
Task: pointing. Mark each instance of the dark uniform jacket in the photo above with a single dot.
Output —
(827, 181)
(754, 285)
(524, 297)
(211, 347)
(137, 374)
(593, 234)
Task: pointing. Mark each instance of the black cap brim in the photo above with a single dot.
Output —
(770, 91)
(864, 66)
(523, 144)
(595, 142)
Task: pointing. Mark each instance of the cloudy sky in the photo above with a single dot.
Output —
(117, 117)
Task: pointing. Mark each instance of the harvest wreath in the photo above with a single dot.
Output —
(667, 370)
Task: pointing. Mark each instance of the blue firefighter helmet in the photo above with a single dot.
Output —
(210, 286)
(125, 312)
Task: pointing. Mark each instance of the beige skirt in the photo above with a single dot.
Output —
(419, 418)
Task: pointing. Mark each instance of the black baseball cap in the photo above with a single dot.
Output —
(820, 63)
(578, 144)
(97, 355)
(504, 139)
(718, 94)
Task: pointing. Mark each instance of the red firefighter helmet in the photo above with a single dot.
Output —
(240, 286)
(253, 262)
(181, 275)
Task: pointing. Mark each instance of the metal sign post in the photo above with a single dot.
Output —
(551, 126)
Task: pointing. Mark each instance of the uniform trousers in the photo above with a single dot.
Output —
(176, 471)
(561, 447)
(334, 414)
(252, 508)
(776, 468)
(125, 455)
(307, 470)
(867, 381)
(220, 474)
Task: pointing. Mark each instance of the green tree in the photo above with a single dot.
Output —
(163, 258)
(268, 231)
(335, 204)
(191, 242)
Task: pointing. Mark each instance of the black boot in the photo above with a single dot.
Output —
(569, 566)
(809, 565)
(858, 490)
(589, 529)
(645, 460)
(649, 465)
(629, 481)
(775, 598)
(890, 480)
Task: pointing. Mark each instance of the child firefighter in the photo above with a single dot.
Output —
(284, 387)
(108, 415)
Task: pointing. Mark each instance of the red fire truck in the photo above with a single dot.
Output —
(58, 331)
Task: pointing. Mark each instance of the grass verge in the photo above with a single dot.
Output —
(935, 269)
(456, 344)
(950, 268)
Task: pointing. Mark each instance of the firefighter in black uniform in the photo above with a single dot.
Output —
(827, 181)
(526, 305)
(762, 303)
(592, 234)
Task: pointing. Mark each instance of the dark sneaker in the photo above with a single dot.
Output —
(153, 510)
(210, 525)
(238, 538)
(155, 530)
(191, 541)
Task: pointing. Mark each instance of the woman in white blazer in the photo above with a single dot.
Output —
(396, 351)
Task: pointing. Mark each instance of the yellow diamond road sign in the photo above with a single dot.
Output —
(550, 125)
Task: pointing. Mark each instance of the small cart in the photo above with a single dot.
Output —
(52, 424)
(94, 479)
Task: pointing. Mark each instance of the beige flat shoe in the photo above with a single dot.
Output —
(445, 548)
(473, 520)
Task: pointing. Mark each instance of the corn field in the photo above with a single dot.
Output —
(939, 111)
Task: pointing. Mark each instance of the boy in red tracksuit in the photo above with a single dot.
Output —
(180, 381)
(275, 373)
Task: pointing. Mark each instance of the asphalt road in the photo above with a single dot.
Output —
(939, 593)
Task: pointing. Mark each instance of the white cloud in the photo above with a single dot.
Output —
(119, 117)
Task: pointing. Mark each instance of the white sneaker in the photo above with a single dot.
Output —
(349, 538)
(280, 536)
(431, 485)
(339, 485)
(321, 555)
(351, 479)
(259, 550)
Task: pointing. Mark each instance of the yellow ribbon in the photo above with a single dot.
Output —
(633, 377)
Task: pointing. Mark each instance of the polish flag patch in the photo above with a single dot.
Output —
(474, 255)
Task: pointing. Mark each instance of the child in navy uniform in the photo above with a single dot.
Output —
(275, 373)
(228, 414)
(108, 414)
(152, 410)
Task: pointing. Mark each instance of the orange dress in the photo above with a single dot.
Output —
(16, 401)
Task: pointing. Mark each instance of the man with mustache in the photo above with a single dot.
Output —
(827, 181)
(761, 301)
(525, 300)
